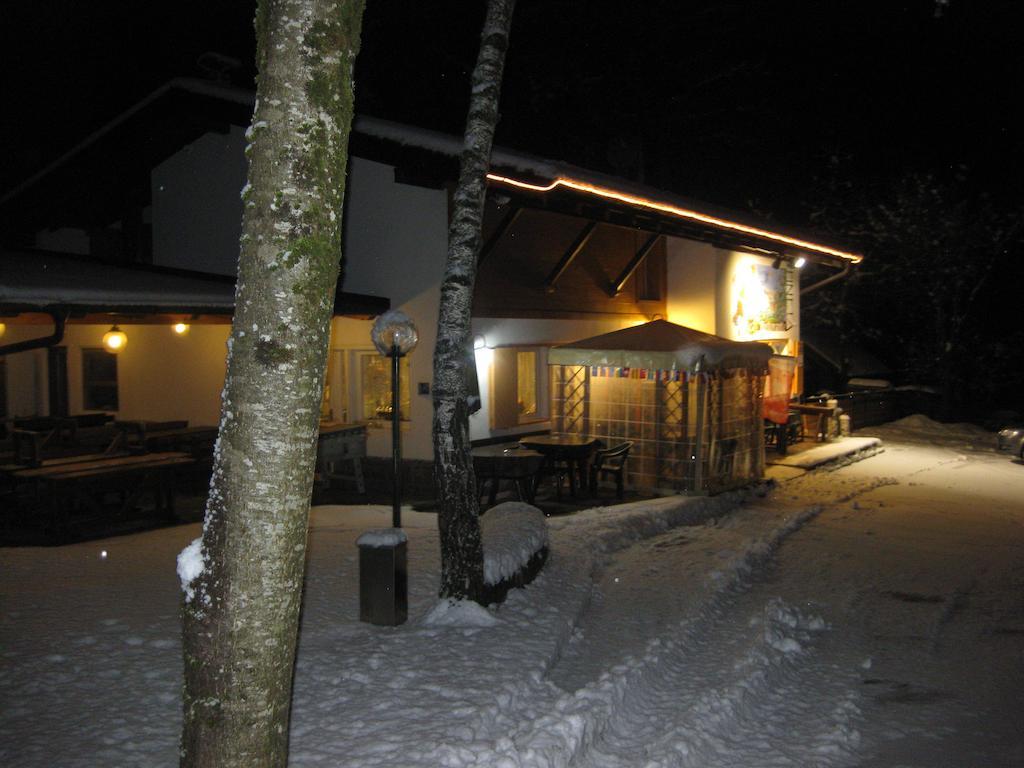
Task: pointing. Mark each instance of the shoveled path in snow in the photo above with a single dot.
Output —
(859, 642)
(688, 670)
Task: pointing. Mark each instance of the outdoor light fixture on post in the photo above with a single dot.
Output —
(383, 576)
(394, 336)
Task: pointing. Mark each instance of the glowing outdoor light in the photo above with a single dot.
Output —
(800, 261)
(180, 328)
(394, 336)
(3, 330)
(674, 210)
(115, 340)
(479, 342)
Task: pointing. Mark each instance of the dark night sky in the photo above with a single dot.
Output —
(725, 101)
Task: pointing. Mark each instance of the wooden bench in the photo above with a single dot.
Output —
(60, 489)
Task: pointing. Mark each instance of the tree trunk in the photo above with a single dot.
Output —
(243, 579)
(461, 551)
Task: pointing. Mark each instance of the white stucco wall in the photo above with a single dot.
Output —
(25, 371)
(197, 204)
(160, 376)
(720, 291)
(692, 284)
(396, 241)
(533, 332)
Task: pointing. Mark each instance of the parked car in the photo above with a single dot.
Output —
(1011, 440)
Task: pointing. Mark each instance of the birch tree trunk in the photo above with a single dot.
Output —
(243, 579)
(461, 551)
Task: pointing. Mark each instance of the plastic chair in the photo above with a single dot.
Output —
(610, 461)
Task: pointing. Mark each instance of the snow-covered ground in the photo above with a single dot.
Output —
(867, 616)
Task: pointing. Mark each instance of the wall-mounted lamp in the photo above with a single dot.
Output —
(479, 342)
(115, 340)
(800, 261)
(3, 330)
(180, 328)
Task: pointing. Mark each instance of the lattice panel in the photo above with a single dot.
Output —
(673, 410)
(574, 398)
(673, 461)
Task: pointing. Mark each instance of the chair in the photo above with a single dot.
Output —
(610, 461)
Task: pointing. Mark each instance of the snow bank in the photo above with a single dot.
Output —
(920, 429)
(512, 533)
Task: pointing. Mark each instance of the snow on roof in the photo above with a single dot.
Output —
(661, 345)
(35, 281)
(557, 173)
(40, 281)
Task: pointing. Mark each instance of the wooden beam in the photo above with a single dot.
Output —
(499, 232)
(574, 250)
(615, 288)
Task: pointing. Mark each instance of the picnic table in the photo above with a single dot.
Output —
(62, 487)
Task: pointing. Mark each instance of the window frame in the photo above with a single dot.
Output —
(504, 389)
(404, 380)
(89, 402)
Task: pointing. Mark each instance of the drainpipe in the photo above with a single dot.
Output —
(40, 342)
(828, 280)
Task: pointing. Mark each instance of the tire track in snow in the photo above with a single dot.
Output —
(643, 687)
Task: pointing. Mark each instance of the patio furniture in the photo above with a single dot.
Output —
(508, 461)
(610, 462)
(567, 455)
(339, 444)
(65, 487)
(823, 413)
(783, 435)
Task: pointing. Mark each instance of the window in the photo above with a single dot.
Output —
(518, 386)
(526, 383)
(375, 380)
(99, 380)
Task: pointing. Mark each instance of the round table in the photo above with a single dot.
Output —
(574, 450)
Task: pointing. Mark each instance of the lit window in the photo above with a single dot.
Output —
(375, 378)
(99, 380)
(518, 386)
(526, 383)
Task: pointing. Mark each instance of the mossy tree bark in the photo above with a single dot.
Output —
(461, 551)
(242, 607)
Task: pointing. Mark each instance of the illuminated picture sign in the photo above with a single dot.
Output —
(760, 300)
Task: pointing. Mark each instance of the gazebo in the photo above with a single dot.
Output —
(689, 401)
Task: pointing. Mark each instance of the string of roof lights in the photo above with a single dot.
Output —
(684, 213)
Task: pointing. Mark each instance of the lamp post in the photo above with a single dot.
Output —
(394, 336)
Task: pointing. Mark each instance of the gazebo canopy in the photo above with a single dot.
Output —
(661, 345)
